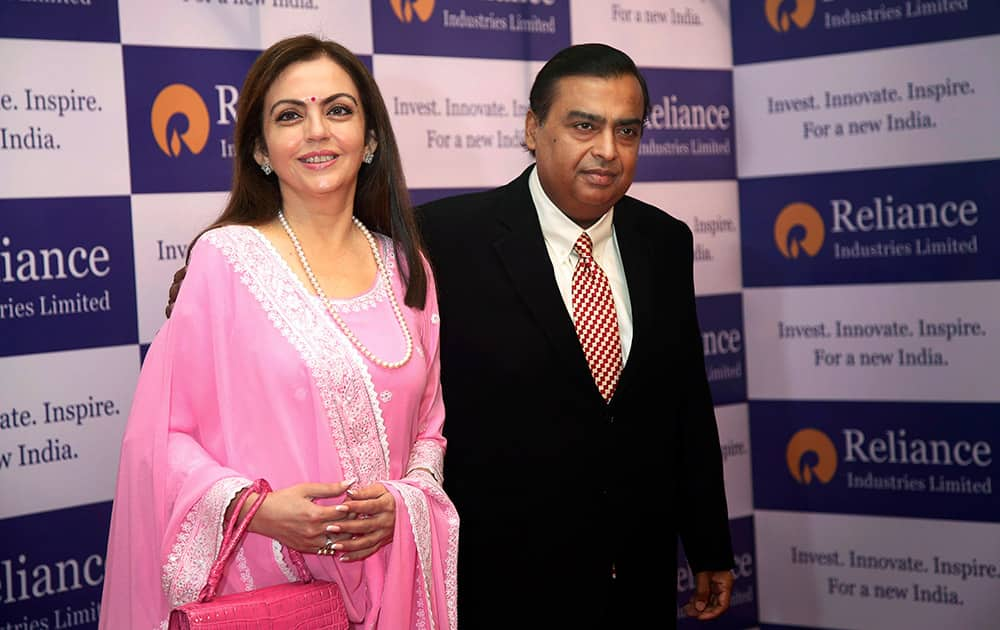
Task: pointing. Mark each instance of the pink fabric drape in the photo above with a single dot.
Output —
(250, 378)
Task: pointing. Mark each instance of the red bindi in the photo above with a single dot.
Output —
(313, 98)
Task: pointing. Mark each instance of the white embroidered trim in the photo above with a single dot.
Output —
(415, 493)
(279, 558)
(244, 568)
(366, 375)
(451, 553)
(427, 454)
(339, 372)
(420, 524)
(197, 543)
(421, 474)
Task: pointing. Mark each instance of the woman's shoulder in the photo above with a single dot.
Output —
(223, 256)
(227, 247)
(227, 235)
(228, 239)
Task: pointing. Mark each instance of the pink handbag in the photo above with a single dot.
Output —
(306, 605)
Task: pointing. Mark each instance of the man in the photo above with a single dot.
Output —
(571, 503)
(572, 490)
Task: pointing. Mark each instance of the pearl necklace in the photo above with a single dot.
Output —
(336, 317)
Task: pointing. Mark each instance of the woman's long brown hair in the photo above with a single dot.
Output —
(381, 200)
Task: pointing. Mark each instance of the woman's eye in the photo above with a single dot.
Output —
(340, 110)
(288, 115)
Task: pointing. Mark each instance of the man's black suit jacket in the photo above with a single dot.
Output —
(557, 489)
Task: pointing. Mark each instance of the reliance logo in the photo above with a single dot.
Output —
(53, 263)
(781, 14)
(811, 456)
(895, 447)
(173, 102)
(799, 227)
(405, 9)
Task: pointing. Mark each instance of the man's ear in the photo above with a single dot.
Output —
(531, 126)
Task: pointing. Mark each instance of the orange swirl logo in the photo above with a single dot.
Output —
(173, 100)
(781, 14)
(404, 9)
(811, 455)
(799, 228)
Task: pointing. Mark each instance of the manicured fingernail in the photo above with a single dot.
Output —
(338, 546)
(350, 482)
(345, 558)
(351, 492)
(342, 508)
(333, 528)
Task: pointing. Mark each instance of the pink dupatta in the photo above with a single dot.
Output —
(251, 378)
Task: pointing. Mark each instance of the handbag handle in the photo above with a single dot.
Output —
(234, 537)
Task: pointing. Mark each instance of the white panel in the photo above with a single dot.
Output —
(47, 464)
(246, 24)
(734, 437)
(658, 33)
(162, 227)
(63, 130)
(711, 210)
(785, 125)
(795, 349)
(810, 572)
(459, 122)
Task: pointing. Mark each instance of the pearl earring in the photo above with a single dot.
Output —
(266, 166)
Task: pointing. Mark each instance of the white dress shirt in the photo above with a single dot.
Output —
(560, 234)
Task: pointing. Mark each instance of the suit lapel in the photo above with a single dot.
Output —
(636, 254)
(521, 249)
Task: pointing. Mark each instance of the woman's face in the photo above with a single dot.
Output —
(314, 132)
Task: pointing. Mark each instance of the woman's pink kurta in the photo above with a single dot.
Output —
(250, 378)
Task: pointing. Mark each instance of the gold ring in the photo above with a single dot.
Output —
(327, 549)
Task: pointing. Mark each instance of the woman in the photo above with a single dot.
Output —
(302, 349)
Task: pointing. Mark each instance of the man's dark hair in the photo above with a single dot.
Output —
(587, 60)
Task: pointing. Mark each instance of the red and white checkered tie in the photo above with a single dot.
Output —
(595, 319)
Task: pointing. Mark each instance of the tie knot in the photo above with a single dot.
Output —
(584, 247)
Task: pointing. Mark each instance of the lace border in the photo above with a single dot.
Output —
(197, 543)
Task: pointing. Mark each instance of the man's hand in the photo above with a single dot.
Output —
(174, 288)
(711, 596)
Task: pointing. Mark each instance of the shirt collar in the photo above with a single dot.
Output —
(560, 231)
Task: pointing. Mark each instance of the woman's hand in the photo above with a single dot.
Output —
(375, 509)
(291, 516)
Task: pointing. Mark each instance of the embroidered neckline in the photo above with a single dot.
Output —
(364, 301)
(338, 371)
